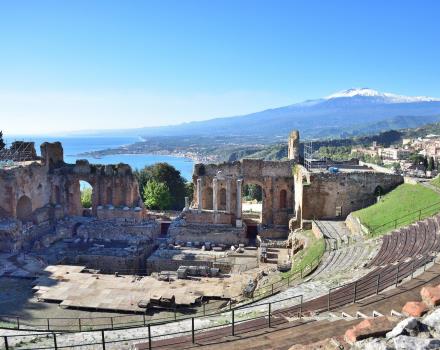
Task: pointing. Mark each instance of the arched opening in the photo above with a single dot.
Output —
(222, 199)
(378, 191)
(86, 197)
(56, 195)
(252, 208)
(109, 196)
(207, 199)
(24, 209)
(283, 199)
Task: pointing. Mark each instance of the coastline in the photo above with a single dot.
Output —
(190, 156)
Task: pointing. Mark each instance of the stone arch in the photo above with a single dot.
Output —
(109, 196)
(207, 199)
(222, 199)
(254, 211)
(283, 199)
(24, 208)
(378, 191)
(56, 195)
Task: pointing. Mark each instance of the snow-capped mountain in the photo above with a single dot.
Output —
(350, 112)
(382, 96)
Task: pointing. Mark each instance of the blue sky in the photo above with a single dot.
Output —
(71, 65)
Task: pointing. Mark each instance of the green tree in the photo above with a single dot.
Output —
(253, 191)
(189, 191)
(2, 142)
(86, 197)
(157, 195)
(167, 174)
(431, 165)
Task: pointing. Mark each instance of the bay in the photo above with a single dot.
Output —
(74, 146)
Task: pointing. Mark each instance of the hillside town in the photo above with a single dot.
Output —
(417, 157)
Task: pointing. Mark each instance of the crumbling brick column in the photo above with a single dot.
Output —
(215, 194)
(239, 209)
(228, 196)
(199, 194)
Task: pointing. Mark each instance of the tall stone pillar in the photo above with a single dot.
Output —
(293, 146)
(214, 194)
(239, 222)
(199, 194)
(228, 196)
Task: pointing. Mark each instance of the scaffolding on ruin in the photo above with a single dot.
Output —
(18, 151)
(308, 155)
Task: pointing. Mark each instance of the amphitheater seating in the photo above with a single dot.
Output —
(342, 260)
(417, 240)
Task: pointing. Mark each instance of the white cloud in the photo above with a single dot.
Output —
(49, 112)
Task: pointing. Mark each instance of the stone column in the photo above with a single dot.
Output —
(238, 220)
(186, 203)
(228, 196)
(199, 194)
(214, 194)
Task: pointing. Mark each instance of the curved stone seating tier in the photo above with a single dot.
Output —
(343, 260)
(419, 239)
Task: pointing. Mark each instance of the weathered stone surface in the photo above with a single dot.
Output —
(371, 344)
(430, 295)
(433, 320)
(404, 342)
(403, 327)
(415, 308)
(372, 327)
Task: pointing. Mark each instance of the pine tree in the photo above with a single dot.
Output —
(2, 142)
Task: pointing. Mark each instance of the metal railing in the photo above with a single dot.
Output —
(228, 322)
(68, 324)
(407, 219)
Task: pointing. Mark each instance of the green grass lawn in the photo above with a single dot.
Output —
(436, 182)
(313, 251)
(403, 200)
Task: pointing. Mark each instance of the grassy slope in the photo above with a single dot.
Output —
(436, 182)
(403, 200)
(303, 258)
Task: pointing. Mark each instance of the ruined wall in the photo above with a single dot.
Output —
(218, 187)
(326, 195)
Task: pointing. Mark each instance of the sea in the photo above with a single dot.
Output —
(74, 146)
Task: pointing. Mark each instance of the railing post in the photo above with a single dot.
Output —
(5, 338)
(377, 285)
(397, 274)
(270, 304)
(192, 330)
(18, 322)
(79, 324)
(204, 309)
(272, 289)
(111, 321)
(355, 291)
(420, 214)
(48, 324)
(233, 323)
(175, 315)
(149, 336)
(301, 306)
(55, 341)
(143, 316)
(103, 339)
(328, 300)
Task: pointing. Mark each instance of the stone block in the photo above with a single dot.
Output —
(430, 295)
(372, 327)
(404, 342)
(403, 327)
(415, 308)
